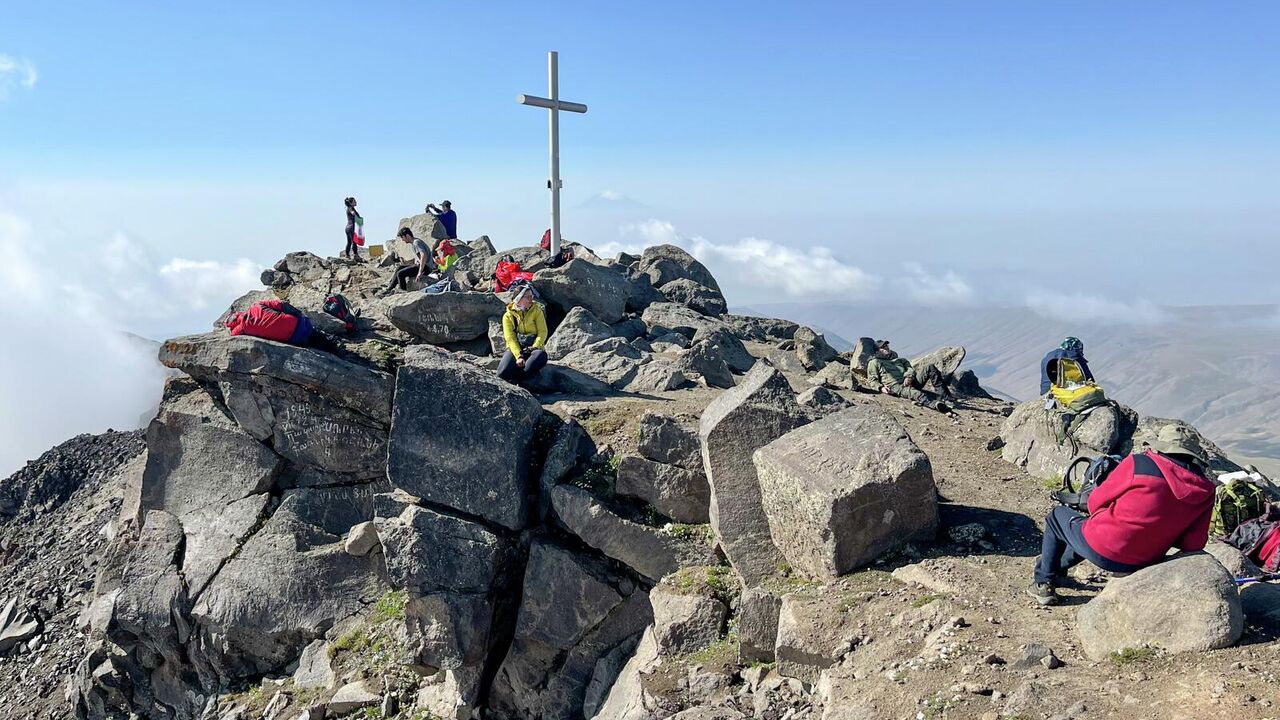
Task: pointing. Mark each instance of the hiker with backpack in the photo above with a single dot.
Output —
(279, 321)
(895, 375)
(524, 327)
(422, 255)
(1151, 502)
(447, 217)
(355, 230)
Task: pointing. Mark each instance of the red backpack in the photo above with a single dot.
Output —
(507, 273)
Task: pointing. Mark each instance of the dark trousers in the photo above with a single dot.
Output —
(1064, 547)
(403, 276)
(352, 248)
(512, 373)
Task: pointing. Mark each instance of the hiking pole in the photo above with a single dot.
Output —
(1265, 577)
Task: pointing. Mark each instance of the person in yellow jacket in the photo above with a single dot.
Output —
(524, 327)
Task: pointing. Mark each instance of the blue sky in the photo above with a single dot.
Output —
(153, 156)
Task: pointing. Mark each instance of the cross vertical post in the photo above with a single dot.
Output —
(554, 105)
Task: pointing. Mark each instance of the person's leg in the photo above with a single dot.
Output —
(507, 368)
(534, 363)
(403, 275)
(351, 242)
(910, 393)
(1057, 551)
(321, 340)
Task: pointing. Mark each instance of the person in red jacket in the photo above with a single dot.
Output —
(1153, 501)
(278, 320)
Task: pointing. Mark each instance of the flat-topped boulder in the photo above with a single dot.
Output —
(578, 330)
(445, 317)
(843, 490)
(601, 290)
(668, 263)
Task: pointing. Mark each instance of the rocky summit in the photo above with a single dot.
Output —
(687, 514)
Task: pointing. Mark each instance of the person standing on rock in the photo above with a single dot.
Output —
(895, 376)
(1152, 502)
(447, 217)
(417, 271)
(524, 327)
(352, 251)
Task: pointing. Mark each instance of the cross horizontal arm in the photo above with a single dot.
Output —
(542, 102)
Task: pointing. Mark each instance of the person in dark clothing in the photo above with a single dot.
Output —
(1075, 370)
(1152, 502)
(352, 250)
(447, 217)
(418, 271)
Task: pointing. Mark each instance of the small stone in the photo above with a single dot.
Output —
(993, 659)
(362, 539)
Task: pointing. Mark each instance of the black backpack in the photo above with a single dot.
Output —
(339, 307)
(1077, 484)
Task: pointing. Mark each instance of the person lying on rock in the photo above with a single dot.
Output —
(524, 327)
(418, 271)
(278, 320)
(1152, 502)
(895, 376)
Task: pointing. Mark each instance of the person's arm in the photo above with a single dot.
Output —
(540, 322)
(422, 264)
(1196, 535)
(1117, 483)
(509, 333)
(277, 305)
(288, 309)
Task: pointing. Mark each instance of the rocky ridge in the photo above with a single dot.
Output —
(689, 514)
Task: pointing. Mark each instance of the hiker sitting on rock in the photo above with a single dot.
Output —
(421, 253)
(445, 256)
(1065, 364)
(524, 326)
(278, 320)
(895, 376)
(1151, 502)
(447, 217)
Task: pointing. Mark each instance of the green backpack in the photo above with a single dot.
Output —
(1236, 501)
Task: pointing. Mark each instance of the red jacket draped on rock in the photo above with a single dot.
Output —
(1146, 506)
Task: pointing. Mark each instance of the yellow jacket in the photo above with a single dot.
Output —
(531, 322)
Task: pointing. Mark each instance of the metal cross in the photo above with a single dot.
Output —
(555, 105)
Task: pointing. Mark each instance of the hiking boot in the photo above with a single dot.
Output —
(1043, 593)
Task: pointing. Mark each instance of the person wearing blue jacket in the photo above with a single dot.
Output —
(1071, 349)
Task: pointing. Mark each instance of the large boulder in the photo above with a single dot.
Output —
(1031, 437)
(762, 329)
(863, 350)
(578, 330)
(947, 359)
(705, 360)
(844, 489)
(680, 494)
(314, 408)
(574, 612)
(578, 283)
(663, 439)
(1163, 430)
(814, 634)
(822, 401)
(695, 296)
(462, 439)
(443, 318)
(613, 361)
(812, 349)
(425, 226)
(667, 263)
(1186, 604)
(761, 409)
(732, 350)
(657, 377)
(666, 317)
(644, 549)
(530, 258)
(685, 620)
(757, 617)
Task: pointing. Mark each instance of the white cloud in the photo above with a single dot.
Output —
(752, 263)
(928, 289)
(67, 365)
(16, 72)
(610, 194)
(1079, 307)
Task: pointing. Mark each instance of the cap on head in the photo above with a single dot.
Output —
(882, 344)
(446, 204)
(1073, 344)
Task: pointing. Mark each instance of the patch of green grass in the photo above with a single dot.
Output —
(723, 652)
(716, 581)
(599, 476)
(701, 534)
(390, 607)
(926, 599)
(354, 642)
(1133, 656)
(1051, 483)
